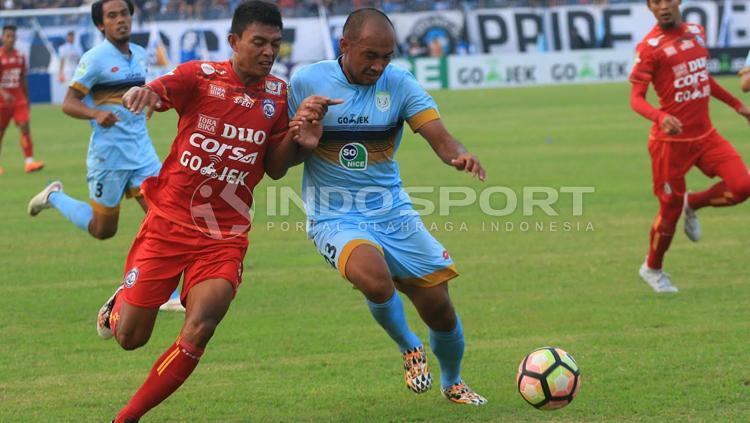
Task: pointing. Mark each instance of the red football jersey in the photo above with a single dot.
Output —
(216, 159)
(675, 61)
(12, 69)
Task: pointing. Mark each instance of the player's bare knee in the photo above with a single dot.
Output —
(130, 341)
(102, 233)
(200, 331)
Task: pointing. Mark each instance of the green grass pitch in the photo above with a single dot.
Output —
(298, 344)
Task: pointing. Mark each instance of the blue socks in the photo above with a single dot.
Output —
(76, 211)
(449, 350)
(390, 315)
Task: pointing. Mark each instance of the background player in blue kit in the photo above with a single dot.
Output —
(121, 155)
(359, 217)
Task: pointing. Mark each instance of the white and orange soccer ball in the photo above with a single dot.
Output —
(548, 378)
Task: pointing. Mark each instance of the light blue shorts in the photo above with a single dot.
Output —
(106, 187)
(413, 256)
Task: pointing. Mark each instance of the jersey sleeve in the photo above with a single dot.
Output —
(417, 106)
(296, 93)
(176, 87)
(645, 65)
(86, 75)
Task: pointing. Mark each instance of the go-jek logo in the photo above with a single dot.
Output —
(353, 156)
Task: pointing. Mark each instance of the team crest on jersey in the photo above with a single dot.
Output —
(353, 156)
(208, 69)
(273, 87)
(207, 124)
(269, 108)
(81, 69)
(131, 277)
(383, 101)
(217, 91)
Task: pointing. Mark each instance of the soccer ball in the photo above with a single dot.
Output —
(548, 378)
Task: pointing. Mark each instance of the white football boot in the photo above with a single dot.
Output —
(691, 225)
(41, 201)
(658, 280)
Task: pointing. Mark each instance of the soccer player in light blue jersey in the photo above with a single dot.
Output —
(121, 155)
(745, 75)
(360, 218)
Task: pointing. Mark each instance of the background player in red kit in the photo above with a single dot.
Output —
(14, 103)
(233, 126)
(673, 57)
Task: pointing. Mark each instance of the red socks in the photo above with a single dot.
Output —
(26, 145)
(662, 233)
(168, 374)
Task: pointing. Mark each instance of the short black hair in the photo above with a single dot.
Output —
(97, 11)
(10, 27)
(255, 11)
(356, 20)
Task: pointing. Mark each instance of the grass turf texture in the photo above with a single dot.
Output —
(298, 343)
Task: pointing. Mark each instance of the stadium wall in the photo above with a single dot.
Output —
(515, 46)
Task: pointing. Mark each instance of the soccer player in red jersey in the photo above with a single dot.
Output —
(14, 101)
(673, 57)
(233, 127)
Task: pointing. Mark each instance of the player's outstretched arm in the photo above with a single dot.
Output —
(138, 98)
(73, 106)
(302, 138)
(450, 150)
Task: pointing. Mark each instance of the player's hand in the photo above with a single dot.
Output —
(469, 163)
(306, 133)
(315, 107)
(138, 98)
(61, 77)
(105, 118)
(670, 125)
(745, 112)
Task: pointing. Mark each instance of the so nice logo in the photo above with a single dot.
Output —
(353, 156)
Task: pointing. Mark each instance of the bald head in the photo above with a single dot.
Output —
(366, 20)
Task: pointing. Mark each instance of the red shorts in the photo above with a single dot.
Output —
(163, 251)
(19, 112)
(671, 161)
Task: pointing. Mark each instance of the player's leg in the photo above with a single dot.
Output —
(359, 259)
(209, 287)
(422, 267)
(722, 160)
(207, 303)
(5, 115)
(21, 117)
(153, 268)
(670, 162)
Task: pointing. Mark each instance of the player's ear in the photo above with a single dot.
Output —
(343, 45)
(233, 40)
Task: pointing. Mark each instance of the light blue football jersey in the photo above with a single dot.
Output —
(103, 75)
(747, 59)
(353, 172)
